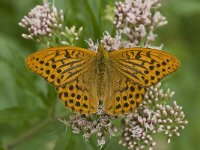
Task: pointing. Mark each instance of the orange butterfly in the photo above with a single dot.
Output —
(118, 78)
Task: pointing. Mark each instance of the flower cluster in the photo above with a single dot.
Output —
(152, 117)
(42, 20)
(141, 18)
(135, 22)
(71, 35)
(45, 24)
(138, 129)
(170, 119)
(155, 95)
(101, 125)
(111, 43)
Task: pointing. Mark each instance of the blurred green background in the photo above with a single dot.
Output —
(25, 112)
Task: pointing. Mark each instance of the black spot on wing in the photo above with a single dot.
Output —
(138, 56)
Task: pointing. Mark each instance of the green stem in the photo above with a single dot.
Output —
(105, 145)
(25, 136)
(51, 96)
(95, 23)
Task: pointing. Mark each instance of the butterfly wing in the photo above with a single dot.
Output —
(80, 95)
(144, 66)
(124, 95)
(68, 69)
(137, 69)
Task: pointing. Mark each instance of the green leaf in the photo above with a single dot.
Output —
(63, 141)
(186, 8)
(19, 114)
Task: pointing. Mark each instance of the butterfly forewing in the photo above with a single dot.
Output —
(70, 69)
(144, 66)
(60, 65)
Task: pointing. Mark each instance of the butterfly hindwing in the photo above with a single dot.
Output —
(144, 66)
(125, 96)
(80, 94)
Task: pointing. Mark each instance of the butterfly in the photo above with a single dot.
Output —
(83, 78)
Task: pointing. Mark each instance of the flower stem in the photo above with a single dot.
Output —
(25, 136)
(95, 20)
(105, 145)
(39, 125)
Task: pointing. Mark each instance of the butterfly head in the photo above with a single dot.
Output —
(102, 51)
(101, 48)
